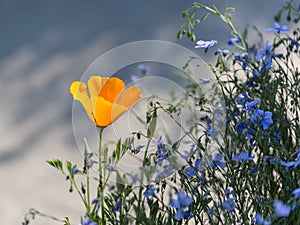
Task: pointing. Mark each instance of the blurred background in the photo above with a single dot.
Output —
(45, 45)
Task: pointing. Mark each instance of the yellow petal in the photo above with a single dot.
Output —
(95, 84)
(112, 89)
(79, 92)
(106, 113)
(130, 96)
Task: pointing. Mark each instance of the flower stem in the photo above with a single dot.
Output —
(86, 167)
(101, 187)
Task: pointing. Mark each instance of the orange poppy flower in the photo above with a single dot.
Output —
(106, 100)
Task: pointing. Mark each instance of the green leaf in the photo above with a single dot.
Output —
(217, 11)
(152, 125)
(120, 183)
(56, 164)
(69, 166)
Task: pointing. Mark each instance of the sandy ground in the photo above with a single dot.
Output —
(44, 46)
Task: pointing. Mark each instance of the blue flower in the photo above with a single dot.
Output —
(267, 120)
(262, 118)
(251, 105)
(244, 64)
(163, 157)
(243, 100)
(229, 205)
(243, 156)
(182, 203)
(134, 77)
(293, 44)
(205, 44)
(236, 57)
(166, 172)
(278, 28)
(144, 69)
(229, 192)
(74, 170)
(233, 41)
(118, 206)
(88, 221)
(212, 132)
(161, 145)
(256, 73)
(223, 52)
(217, 161)
(138, 149)
(265, 56)
(150, 191)
(292, 164)
(296, 192)
(260, 220)
(111, 168)
(241, 127)
(210, 212)
(256, 116)
(192, 171)
(277, 135)
(281, 209)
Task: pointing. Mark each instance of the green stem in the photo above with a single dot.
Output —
(78, 191)
(142, 178)
(88, 208)
(101, 188)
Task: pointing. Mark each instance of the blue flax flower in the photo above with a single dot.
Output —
(74, 170)
(205, 44)
(229, 205)
(144, 69)
(262, 118)
(229, 192)
(118, 206)
(111, 168)
(251, 105)
(241, 127)
(243, 100)
(293, 44)
(267, 120)
(233, 41)
(296, 192)
(191, 171)
(243, 156)
(223, 52)
(260, 220)
(166, 172)
(182, 203)
(281, 209)
(217, 161)
(150, 191)
(278, 28)
(265, 56)
(292, 164)
(236, 57)
(161, 147)
(88, 221)
(138, 149)
(256, 73)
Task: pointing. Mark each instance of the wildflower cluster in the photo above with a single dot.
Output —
(243, 137)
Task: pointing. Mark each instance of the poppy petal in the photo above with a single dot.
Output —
(79, 92)
(106, 113)
(112, 89)
(95, 84)
(130, 96)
